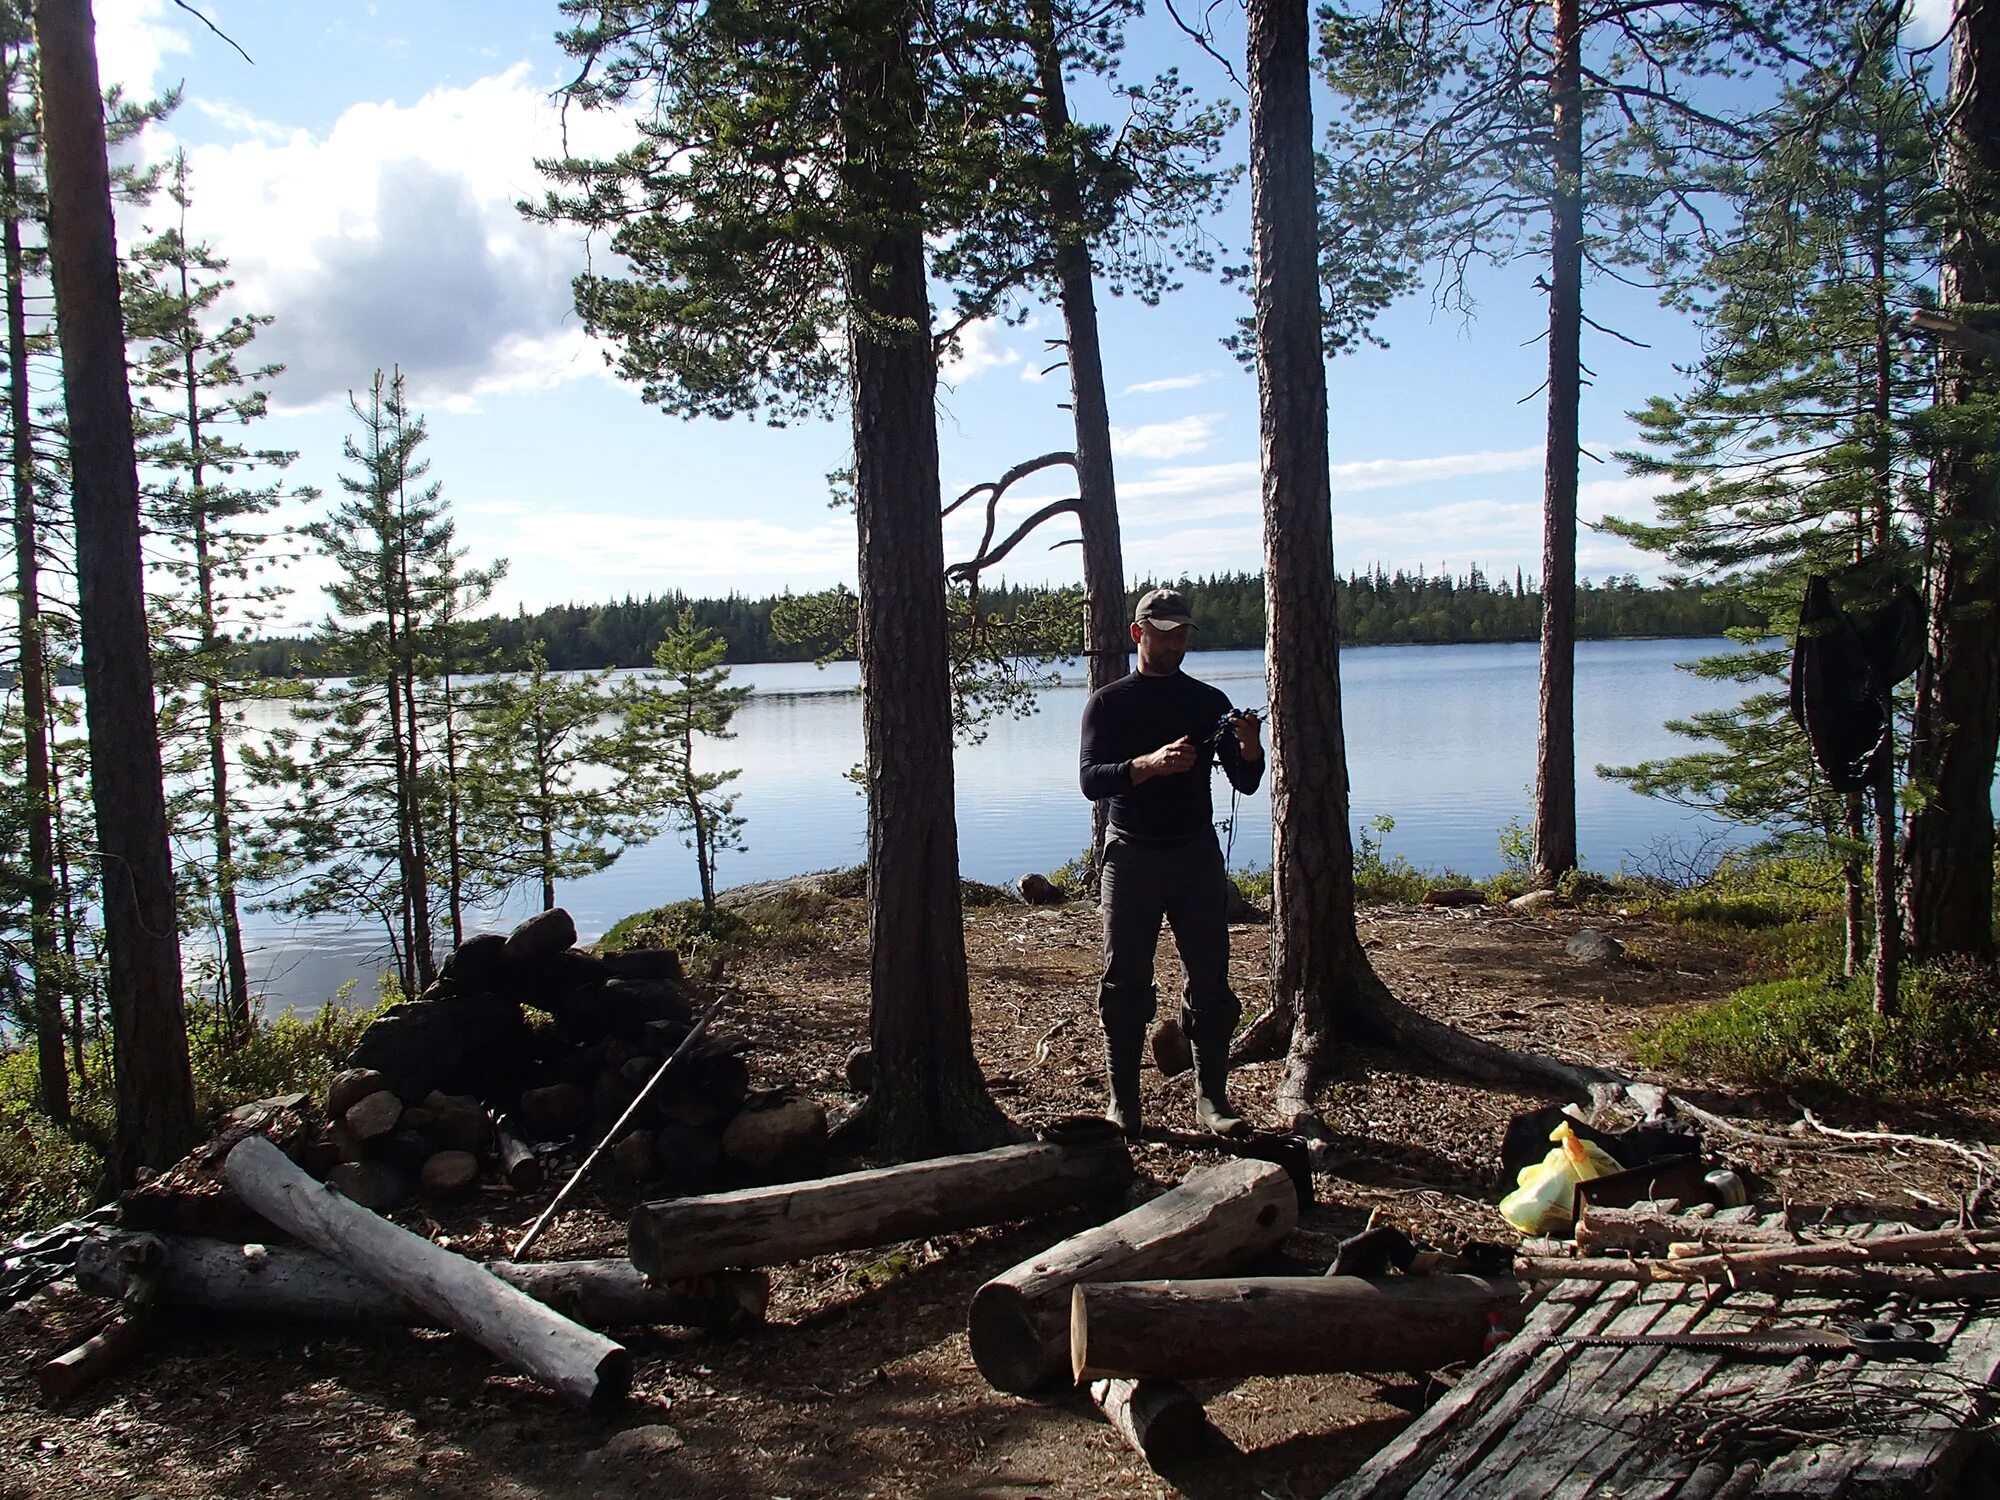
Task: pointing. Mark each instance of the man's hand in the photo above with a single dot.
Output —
(1168, 760)
(1248, 726)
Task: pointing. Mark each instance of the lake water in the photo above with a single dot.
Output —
(1440, 738)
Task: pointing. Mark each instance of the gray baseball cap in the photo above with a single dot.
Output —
(1164, 609)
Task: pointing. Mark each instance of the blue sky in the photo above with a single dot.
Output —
(361, 175)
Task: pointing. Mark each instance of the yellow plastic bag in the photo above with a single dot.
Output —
(1544, 1198)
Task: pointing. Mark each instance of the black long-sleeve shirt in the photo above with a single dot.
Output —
(1135, 716)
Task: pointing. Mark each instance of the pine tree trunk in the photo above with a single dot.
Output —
(1555, 756)
(1949, 853)
(31, 667)
(236, 968)
(928, 1097)
(1854, 890)
(453, 831)
(155, 1089)
(1318, 969)
(1108, 641)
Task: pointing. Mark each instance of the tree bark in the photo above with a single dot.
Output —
(584, 1367)
(1319, 972)
(289, 1281)
(929, 1096)
(31, 667)
(771, 1225)
(1555, 755)
(1948, 892)
(1107, 640)
(1159, 1420)
(1212, 1223)
(155, 1089)
(1281, 1325)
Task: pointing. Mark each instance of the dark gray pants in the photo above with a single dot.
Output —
(1185, 884)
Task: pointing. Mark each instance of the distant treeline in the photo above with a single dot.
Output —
(1376, 608)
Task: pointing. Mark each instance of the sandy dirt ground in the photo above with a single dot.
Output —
(861, 1384)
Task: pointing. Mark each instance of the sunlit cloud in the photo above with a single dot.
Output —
(1175, 439)
(979, 350)
(392, 239)
(1168, 383)
(676, 551)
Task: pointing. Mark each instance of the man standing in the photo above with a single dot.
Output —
(1149, 743)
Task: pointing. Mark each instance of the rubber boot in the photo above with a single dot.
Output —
(1211, 1094)
(1122, 1055)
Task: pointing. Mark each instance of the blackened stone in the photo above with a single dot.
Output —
(646, 965)
(460, 1124)
(479, 963)
(450, 1172)
(375, 1185)
(375, 1116)
(639, 1071)
(860, 1069)
(632, 1158)
(406, 1149)
(551, 1111)
(542, 935)
(704, 1091)
(778, 1137)
(465, 1045)
(349, 1088)
(649, 999)
(1038, 890)
(686, 1158)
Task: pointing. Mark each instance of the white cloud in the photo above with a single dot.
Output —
(676, 549)
(393, 239)
(1168, 383)
(238, 121)
(132, 43)
(1392, 473)
(1928, 20)
(979, 350)
(1175, 439)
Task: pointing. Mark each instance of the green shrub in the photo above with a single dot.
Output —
(1818, 1031)
(1253, 885)
(683, 926)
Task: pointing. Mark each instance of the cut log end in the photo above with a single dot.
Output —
(1007, 1348)
(1159, 1419)
(614, 1382)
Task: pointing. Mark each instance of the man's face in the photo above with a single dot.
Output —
(1160, 651)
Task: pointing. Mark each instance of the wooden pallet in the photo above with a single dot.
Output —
(1546, 1417)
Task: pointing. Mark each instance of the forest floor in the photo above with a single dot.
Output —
(861, 1383)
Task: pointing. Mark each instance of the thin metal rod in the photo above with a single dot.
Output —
(631, 1109)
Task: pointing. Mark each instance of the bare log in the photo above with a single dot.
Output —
(1647, 1232)
(1281, 1325)
(1159, 1420)
(518, 1162)
(770, 1225)
(111, 1346)
(616, 1294)
(1212, 1223)
(291, 1281)
(585, 1367)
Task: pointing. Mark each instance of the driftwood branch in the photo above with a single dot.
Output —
(968, 571)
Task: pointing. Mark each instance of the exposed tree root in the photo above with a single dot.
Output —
(969, 1122)
(1368, 1011)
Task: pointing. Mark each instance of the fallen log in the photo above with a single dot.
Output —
(518, 1162)
(1282, 1325)
(767, 1226)
(1639, 1231)
(290, 1281)
(1159, 1420)
(585, 1367)
(616, 1294)
(111, 1346)
(1214, 1222)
